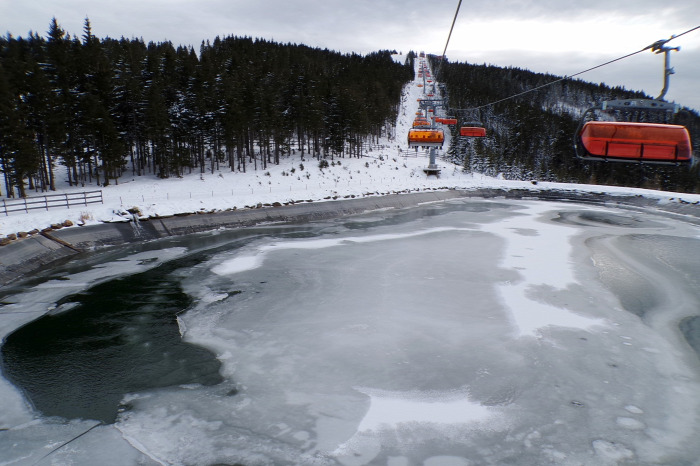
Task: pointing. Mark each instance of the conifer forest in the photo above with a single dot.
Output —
(92, 110)
(97, 106)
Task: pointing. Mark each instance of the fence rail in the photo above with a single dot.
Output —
(50, 201)
(413, 153)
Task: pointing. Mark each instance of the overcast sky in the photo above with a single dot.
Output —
(562, 37)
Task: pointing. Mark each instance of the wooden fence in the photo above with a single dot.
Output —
(51, 201)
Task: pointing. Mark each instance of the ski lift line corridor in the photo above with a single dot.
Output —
(424, 131)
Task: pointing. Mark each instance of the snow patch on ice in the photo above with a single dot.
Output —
(390, 409)
(446, 461)
(634, 409)
(212, 297)
(611, 451)
(251, 261)
(542, 259)
(630, 423)
(239, 264)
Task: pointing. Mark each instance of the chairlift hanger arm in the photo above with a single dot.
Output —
(660, 47)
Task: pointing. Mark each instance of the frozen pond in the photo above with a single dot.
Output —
(468, 332)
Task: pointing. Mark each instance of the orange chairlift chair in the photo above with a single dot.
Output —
(425, 137)
(471, 124)
(472, 131)
(630, 141)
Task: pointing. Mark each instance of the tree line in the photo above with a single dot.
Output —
(88, 108)
(531, 136)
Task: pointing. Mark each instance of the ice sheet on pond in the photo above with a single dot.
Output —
(477, 332)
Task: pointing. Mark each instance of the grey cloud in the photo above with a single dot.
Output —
(678, 11)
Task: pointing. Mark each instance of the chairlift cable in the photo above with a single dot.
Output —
(686, 32)
(442, 57)
(100, 423)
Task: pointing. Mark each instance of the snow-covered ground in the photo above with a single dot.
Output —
(388, 167)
